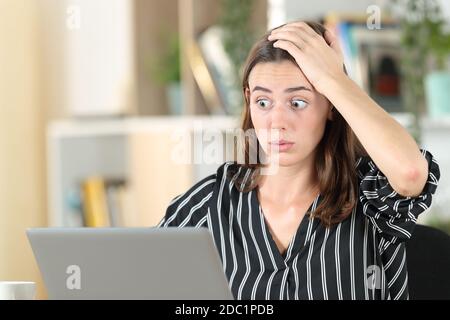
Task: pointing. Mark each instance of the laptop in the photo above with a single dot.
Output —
(129, 263)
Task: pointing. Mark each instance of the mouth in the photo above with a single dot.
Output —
(281, 145)
(280, 142)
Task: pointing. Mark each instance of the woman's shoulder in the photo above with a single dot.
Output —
(222, 174)
(232, 172)
(227, 170)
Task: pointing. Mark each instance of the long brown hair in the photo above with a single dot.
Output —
(337, 152)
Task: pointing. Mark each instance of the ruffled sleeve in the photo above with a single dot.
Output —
(393, 215)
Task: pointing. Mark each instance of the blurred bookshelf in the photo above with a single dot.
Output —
(125, 172)
(113, 167)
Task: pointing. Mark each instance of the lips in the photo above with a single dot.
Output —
(281, 145)
(281, 142)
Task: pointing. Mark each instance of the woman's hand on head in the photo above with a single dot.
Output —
(319, 59)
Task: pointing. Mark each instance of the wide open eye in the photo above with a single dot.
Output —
(263, 103)
(299, 104)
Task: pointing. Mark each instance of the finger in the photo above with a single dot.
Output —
(333, 42)
(293, 49)
(303, 26)
(306, 36)
(283, 31)
(330, 38)
(290, 36)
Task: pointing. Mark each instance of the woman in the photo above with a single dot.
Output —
(332, 220)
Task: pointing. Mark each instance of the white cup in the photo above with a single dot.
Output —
(17, 290)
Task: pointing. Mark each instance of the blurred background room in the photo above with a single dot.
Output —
(106, 105)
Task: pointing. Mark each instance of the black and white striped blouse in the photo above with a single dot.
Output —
(363, 257)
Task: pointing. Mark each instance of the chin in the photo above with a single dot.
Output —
(288, 159)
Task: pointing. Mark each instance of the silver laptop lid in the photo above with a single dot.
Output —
(129, 263)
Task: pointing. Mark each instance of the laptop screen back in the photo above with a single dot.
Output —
(129, 263)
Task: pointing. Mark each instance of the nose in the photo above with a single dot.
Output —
(278, 118)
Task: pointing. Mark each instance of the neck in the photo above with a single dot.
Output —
(290, 184)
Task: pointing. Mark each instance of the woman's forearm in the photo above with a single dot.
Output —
(390, 146)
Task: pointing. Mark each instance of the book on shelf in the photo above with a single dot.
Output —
(105, 202)
(219, 66)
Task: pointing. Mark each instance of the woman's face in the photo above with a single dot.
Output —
(289, 116)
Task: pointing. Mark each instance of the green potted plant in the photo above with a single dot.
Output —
(165, 70)
(422, 37)
(437, 82)
(238, 38)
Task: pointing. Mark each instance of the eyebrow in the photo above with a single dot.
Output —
(288, 90)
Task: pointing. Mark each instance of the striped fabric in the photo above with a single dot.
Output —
(363, 257)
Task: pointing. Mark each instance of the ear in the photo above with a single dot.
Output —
(247, 94)
(330, 115)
